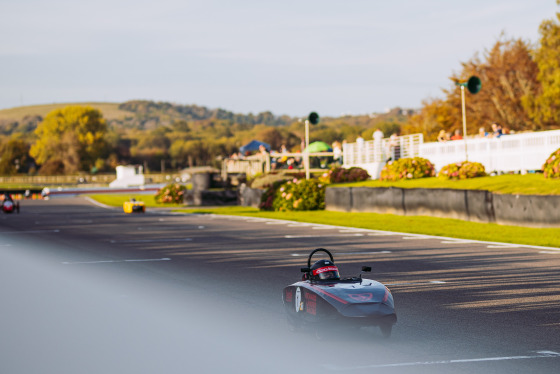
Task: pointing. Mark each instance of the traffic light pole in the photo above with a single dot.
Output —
(306, 151)
(464, 121)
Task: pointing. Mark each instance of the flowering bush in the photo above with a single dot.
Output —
(407, 168)
(171, 194)
(296, 194)
(462, 170)
(267, 198)
(551, 167)
(341, 175)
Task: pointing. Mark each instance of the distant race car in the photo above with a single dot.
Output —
(9, 205)
(322, 300)
(134, 206)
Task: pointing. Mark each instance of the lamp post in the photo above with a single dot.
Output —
(473, 85)
(313, 118)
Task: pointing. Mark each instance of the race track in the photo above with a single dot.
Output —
(86, 289)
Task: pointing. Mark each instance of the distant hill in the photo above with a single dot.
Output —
(148, 115)
(138, 114)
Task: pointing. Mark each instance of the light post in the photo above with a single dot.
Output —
(473, 85)
(313, 118)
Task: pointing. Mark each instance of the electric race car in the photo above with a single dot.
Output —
(9, 205)
(322, 300)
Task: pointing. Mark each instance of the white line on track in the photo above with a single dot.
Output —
(344, 253)
(538, 354)
(320, 236)
(151, 240)
(383, 234)
(503, 246)
(322, 228)
(550, 252)
(28, 232)
(416, 237)
(457, 242)
(115, 261)
(275, 223)
(414, 283)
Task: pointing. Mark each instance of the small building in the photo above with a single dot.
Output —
(129, 176)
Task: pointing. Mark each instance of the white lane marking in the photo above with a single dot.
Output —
(151, 240)
(416, 237)
(321, 228)
(275, 223)
(383, 234)
(343, 253)
(115, 261)
(353, 230)
(201, 227)
(503, 246)
(94, 202)
(300, 225)
(550, 252)
(539, 354)
(320, 236)
(28, 232)
(414, 283)
(457, 242)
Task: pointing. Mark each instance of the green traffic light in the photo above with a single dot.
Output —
(313, 118)
(474, 84)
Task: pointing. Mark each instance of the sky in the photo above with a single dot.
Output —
(335, 57)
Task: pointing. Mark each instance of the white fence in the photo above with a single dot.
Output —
(372, 155)
(509, 153)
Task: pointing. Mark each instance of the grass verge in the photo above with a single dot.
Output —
(548, 237)
(529, 184)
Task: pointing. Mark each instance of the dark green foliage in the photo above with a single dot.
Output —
(342, 175)
(294, 195)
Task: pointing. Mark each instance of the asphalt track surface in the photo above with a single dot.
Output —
(86, 289)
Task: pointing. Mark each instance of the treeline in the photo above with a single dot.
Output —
(162, 135)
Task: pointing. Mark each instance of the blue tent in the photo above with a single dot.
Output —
(253, 145)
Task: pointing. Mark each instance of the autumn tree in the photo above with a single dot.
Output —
(435, 115)
(72, 136)
(509, 78)
(545, 106)
(14, 157)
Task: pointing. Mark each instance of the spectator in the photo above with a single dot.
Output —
(337, 152)
(394, 147)
(457, 135)
(482, 133)
(496, 130)
(442, 136)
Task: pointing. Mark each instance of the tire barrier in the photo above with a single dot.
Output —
(469, 205)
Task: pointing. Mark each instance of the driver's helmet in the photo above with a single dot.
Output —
(324, 270)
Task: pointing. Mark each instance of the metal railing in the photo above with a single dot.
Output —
(372, 151)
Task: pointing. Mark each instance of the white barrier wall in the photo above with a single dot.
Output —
(509, 153)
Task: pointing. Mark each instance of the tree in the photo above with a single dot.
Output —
(14, 157)
(73, 135)
(545, 106)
